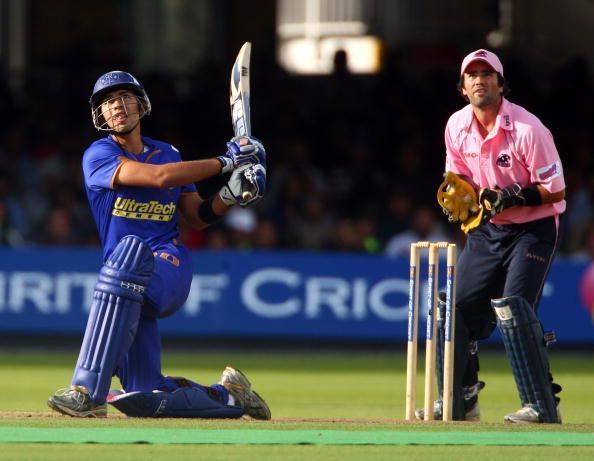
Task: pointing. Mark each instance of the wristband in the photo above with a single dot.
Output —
(226, 164)
(531, 195)
(206, 213)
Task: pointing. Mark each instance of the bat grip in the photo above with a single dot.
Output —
(246, 194)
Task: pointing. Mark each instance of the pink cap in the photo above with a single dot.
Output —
(485, 56)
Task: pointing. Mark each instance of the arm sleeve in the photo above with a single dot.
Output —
(543, 159)
(100, 163)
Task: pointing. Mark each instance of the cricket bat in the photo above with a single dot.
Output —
(239, 97)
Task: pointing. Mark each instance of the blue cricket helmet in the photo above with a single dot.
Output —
(110, 82)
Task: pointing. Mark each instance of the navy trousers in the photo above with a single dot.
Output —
(499, 261)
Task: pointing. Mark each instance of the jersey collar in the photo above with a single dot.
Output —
(148, 146)
(504, 118)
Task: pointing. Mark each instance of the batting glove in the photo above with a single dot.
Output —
(242, 150)
(249, 178)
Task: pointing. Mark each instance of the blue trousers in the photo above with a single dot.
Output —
(501, 261)
(496, 262)
(140, 370)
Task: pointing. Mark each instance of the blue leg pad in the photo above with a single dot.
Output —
(525, 347)
(113, 318)
(185, 402)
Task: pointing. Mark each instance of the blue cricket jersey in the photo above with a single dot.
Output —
(147, 212)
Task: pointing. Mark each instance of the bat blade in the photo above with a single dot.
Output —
(239, 97)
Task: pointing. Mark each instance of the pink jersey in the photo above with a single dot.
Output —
(518, 149)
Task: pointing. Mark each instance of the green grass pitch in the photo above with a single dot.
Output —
(346, 390)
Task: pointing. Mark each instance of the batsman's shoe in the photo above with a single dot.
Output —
(75, 401)
(471, 405)
(437, 411)
(240, 388)
(472, 414)
(528, 414)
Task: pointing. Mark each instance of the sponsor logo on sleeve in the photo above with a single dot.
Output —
(549, 172)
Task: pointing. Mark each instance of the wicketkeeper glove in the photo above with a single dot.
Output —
(475, 221)
(249, 178)
(494, 201)
(457, 198)
(241, 151)
(514, 195)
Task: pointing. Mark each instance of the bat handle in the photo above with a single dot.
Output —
(246, 194)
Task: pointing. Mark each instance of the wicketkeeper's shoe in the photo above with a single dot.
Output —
(474, 413)
(240, 388)
(528, 414)
(75, 401)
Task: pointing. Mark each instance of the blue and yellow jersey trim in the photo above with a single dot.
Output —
(168, 257)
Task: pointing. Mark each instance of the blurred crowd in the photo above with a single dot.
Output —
(354, 161)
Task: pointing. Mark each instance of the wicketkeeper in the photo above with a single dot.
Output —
(137, 187)
(504, 184)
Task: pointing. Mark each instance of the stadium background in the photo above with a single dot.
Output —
(354, 158)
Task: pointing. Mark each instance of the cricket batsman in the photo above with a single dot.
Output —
(137, 187)
(504, 183)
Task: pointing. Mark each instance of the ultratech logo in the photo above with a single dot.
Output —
(153, 210)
